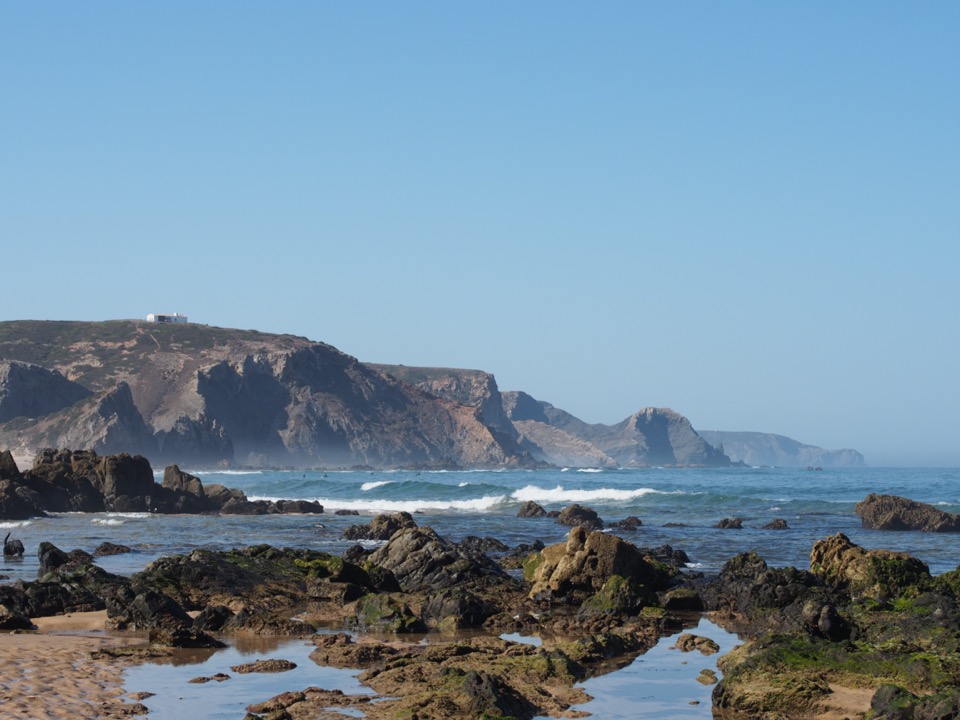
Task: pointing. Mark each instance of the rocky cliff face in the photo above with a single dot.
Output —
(755, 448)
(653, 436)
(28, 390)
(192, 393)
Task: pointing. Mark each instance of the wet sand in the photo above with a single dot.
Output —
(49, 674)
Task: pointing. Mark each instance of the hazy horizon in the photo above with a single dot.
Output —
(745, 212)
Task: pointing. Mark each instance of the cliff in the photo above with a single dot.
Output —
(201, 394)
(652, 436)
(754, 448)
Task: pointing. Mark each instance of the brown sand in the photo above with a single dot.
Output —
(50, 674)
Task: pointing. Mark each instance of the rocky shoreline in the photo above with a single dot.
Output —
(871, 622)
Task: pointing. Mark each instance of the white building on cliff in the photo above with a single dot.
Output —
(174, 318)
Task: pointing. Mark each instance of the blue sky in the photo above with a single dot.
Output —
(748, 211)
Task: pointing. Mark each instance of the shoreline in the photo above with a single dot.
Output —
(49, 674)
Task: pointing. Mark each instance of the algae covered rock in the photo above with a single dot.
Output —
(876, 574)
(578, 569)
(384, 613)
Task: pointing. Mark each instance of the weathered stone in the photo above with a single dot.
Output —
(575, 514)
(382, 527)
(422, 560)
(891, 512)
(178, 481)
(577, 569)
(531, 509)
(877, 574)
(730, 524)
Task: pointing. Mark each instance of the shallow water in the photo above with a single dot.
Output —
(177, 698)
(659, 684)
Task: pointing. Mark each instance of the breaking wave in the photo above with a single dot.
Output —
(373, 485)
(481, 504)
(561, 494)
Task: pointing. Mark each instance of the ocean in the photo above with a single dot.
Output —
(677, 506)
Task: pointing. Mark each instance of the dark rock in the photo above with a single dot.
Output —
(347, 512)
(356, 553)
(382, 527)
(422, 560)
(456, 608)
(575, 514)
(473, 544)
(891, 512)
(108, 548)
(51, 557)
(212, 618)
(630, 524)
(180, 482)
(264, 666)
(730, 524)
(12, 618)
(299, 507)
(182, 637)
(531, 509)
(8, 467)
(384, 613)
(778, 524)
(667, 554)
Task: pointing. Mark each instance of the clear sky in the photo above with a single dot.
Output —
(746, 211)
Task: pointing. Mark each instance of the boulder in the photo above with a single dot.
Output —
(730, 524)
(891, 512)
(384, 613)
(575, 514)
(777, 524)
(877, 574)
(178, 481)
(422, 560)
(8, 467)
(531, 509)
(579, 568)
(382, 527)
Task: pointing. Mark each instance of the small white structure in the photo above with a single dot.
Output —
(174, 318)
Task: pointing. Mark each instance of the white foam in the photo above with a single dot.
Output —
(464, 484)
(561, 494)
(107, 521)
(15, 524)
(373, 485)
(590, 470)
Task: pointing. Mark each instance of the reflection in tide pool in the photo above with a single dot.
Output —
(661, 683)
(175, 698)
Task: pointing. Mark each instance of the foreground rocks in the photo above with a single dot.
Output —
(858, 618)
(82, 481)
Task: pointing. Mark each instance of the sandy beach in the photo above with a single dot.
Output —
(50, 674)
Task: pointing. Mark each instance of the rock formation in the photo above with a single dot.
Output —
(653, 436)
(890, 512)
(82, 481)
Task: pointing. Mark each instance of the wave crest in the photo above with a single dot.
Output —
(561, 494)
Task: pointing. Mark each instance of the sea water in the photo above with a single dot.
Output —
(677, 506)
